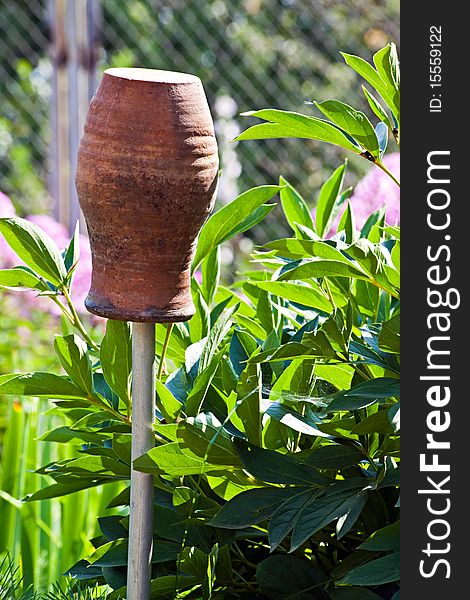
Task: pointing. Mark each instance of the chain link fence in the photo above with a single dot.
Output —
(249, 54)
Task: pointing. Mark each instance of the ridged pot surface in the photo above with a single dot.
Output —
(146, 181)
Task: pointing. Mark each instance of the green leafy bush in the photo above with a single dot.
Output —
(276, 459)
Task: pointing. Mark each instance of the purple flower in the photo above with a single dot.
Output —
(377, 189)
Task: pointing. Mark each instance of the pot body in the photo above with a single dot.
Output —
(146, 181)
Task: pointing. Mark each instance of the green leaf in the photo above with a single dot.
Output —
(335, 503)
(376, 107)
(335, 457)
(310, 295)
(327, 199)
(35, 248)
(162, 588)
(379, 422)
(386, 63)
(353, 512)
(347, 224)
(367, 71)
(366, 393)
(57, 490)
(195, 398)
(295, 208)
(375, 572)
(171, 459)
(353, 121)
(285, 124)
(67, 435)
(210, 268)
(42, 385)
(249, 395)
(284, 577)
(112, 554)
(273, 467)
(73, 355)
(227, 221)
(200, 322)
(216, 337)
(167, 404)
(72, 254)
(251, 507)
(21, 277)
(387, 538)
(116, 358)
(389, 337)
(320, 267)
(205, 437)
(284, 518)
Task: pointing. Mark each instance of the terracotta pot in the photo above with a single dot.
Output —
(146, 182)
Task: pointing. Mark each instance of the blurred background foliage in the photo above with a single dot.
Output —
(249, 54)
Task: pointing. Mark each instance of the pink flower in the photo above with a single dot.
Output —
(377, 189)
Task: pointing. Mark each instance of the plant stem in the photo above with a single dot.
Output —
(164, 349)
(389, 173)
(75, 320)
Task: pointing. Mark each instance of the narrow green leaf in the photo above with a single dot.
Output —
(353, 121)
(35, 248)
(251, 507)
(205, 437)
(295, 208)
(225, 223)
(273, 467)
(367, 71)
(333, 504)
(116, 358)
(196, 396)
(366, 393)
(284, 518)
(309, 295)
(199, 324)
(167, 404)
(210, 268)
(375, 572)
(43, 385)
(170, 459)
(387, 538)
(319, 267)
(347, 224)
(285, 124)
(389, 337)
(73, 355)
(327, 199)
(21, 277)
(376, 107)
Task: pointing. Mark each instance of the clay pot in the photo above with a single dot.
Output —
(146, 182)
